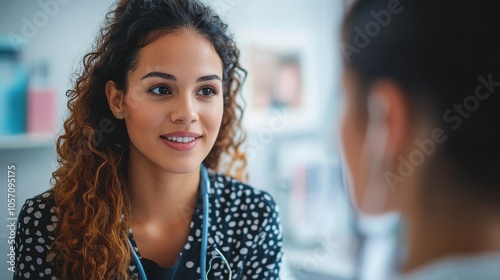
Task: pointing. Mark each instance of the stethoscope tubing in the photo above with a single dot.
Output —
(205, 191)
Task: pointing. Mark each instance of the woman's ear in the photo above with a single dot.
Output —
(115, 99)
(396, 110)
(387, 134)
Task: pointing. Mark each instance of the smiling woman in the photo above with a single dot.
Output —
(134, 200)
(172, 94)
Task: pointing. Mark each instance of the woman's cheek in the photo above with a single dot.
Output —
(214, 117)
(352, 145)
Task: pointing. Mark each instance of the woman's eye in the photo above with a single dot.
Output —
(207, 91)
(160, 90)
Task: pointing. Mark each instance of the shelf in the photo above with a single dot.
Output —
(23, 141)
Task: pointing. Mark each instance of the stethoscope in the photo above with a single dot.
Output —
(205, 191)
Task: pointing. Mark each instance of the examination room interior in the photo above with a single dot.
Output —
(292, 51)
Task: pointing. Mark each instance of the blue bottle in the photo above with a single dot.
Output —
(13, 90)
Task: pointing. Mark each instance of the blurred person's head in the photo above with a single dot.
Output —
(422, 84)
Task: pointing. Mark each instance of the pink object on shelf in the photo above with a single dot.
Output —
(41, 110)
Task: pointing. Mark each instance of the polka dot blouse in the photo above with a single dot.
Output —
(244, 226)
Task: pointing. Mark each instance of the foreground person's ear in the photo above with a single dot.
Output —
(385, 138)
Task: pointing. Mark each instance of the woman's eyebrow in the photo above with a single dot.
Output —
(171, 77)
(162, 75)
(208, 78)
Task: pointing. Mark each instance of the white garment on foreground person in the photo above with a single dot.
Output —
(478, 267)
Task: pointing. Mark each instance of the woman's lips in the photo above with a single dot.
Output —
(181, 140)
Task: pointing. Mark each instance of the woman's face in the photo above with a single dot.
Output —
(353, 129)
(173, 106)
(371, 157)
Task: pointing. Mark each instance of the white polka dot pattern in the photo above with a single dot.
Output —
(36, 227)
(244, 226)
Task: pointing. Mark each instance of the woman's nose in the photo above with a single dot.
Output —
(183, 111)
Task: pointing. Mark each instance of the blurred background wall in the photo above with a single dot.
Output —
(291, 50)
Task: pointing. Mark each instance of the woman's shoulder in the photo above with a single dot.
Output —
(46, 196)
(39, 212)
(42, 202)
(246, 226)
(35, 233)
(237, 202)
(467, 266)
(228, 188)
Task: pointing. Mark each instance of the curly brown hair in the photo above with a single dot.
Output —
(90, 189)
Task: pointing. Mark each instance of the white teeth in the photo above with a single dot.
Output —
(181, 139)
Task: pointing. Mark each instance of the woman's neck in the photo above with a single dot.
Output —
(452, 227)
(158, 196)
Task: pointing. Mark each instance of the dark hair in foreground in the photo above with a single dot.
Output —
(90, 185)
(445, 55)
